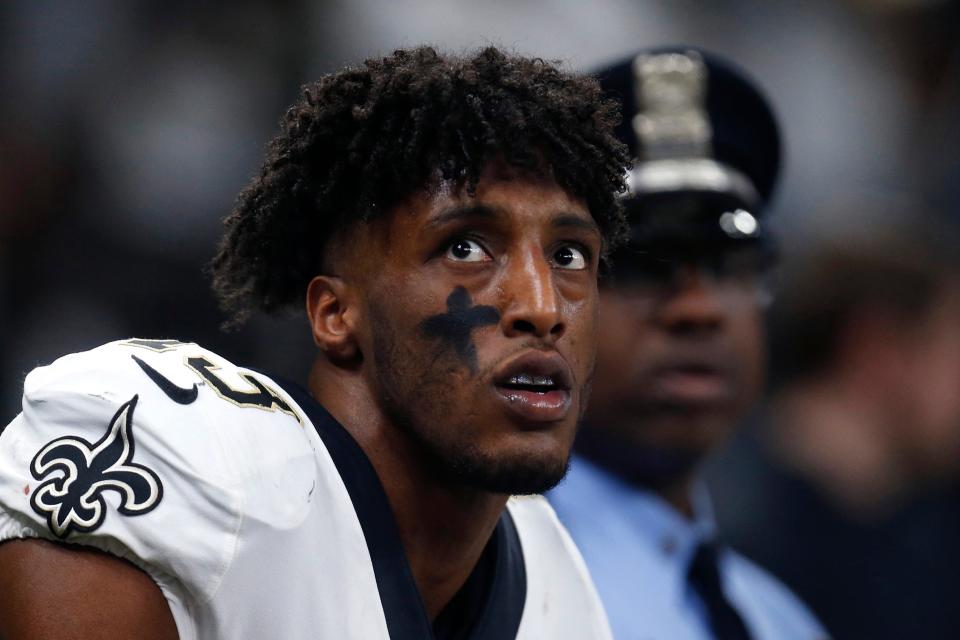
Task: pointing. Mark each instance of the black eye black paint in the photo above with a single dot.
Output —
(455, 326)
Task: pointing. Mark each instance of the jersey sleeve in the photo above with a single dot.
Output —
(127, 449)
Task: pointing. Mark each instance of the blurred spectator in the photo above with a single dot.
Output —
(866, 343)
(853, 472)
(680, 357)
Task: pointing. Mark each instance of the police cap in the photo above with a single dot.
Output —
(706, 146)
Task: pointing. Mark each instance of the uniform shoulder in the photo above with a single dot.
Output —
(562, 601)
(164, 376)
(193, 401)
(153, 450)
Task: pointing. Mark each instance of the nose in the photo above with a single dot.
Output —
(694, 307)
(532, 303)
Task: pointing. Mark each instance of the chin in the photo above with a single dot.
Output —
(480, 448)
(521, 470)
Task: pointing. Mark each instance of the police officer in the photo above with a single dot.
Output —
(680, 357)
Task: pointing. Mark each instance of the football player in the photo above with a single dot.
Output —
(443, 220)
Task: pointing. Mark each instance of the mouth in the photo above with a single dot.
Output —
(692, 384)
(535, 387)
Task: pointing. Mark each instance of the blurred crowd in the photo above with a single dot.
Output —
(844, 483)
(128, 127)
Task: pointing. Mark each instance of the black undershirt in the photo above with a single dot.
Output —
(458, 618)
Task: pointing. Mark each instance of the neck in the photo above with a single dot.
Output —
(677, 495)
(444, 528)
(668, 476)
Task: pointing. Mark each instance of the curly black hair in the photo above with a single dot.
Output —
(361, 140)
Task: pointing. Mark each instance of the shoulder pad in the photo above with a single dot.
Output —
(147, 449)
(562, 601)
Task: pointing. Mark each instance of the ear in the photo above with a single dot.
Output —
(332, 313)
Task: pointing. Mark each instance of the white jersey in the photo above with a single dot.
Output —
(253, 510)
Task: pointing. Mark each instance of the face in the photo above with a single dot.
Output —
(928, 389)
(479, 317)
(677, 366)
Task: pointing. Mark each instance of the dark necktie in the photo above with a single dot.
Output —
(704, 577)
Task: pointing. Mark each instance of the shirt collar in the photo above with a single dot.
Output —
(671, 537)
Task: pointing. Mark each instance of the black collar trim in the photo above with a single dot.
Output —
(403, 607)
(501, 614)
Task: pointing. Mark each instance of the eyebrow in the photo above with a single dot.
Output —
(455, 213)
(573, 220)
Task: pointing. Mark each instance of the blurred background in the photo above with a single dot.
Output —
(127, 127)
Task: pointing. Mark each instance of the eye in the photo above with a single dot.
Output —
(570, 258)
(464, 250)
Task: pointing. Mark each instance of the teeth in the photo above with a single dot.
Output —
(526, 379)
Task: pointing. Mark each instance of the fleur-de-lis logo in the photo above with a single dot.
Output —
(73, 500)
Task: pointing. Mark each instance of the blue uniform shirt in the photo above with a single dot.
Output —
(638, 549)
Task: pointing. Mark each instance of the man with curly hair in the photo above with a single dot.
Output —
(443, 220)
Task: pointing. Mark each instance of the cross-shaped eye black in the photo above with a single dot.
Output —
(454, 328)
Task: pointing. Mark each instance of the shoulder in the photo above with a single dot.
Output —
(561, 597)
(177, 403)
(772, 607)
(148, 449)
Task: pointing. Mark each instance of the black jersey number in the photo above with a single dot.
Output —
(257, 395)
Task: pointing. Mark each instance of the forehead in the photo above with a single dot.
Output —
(503, 194)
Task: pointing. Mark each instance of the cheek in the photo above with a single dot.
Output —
(415, 387)
(394, 313)
(750, 346)
(617, 334)
(937, 369)
(403, 301)
(617, 337)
